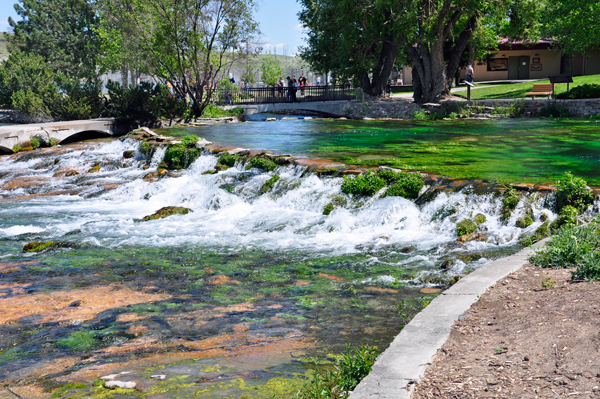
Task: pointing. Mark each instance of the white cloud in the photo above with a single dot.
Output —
(4, 22)
(300, 27)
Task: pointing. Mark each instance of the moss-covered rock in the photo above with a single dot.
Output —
(228, 159)
(402, 184)
(328, 209)
(262, 163)
(40, 246)
(209, 172)
(178, 156)
(479, 218)
(465, 226)
(524, 221)
(94, 169)
(268, 185)
(128, 154)
(509, 203)
(167, 211)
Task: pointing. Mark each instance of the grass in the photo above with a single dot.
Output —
(518, 90)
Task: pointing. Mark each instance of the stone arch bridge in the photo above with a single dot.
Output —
(67, 131)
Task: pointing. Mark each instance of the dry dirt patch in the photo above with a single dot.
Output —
(535, 334)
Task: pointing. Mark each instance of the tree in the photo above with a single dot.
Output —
(362, 39)
(184, 42)
(271, 69)
(61, 31)
(573, 24)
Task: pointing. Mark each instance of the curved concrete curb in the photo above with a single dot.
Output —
(404, 362)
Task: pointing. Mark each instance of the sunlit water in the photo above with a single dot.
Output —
(252, 270)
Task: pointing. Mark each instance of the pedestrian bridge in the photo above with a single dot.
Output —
(328, 108)
(66, 131)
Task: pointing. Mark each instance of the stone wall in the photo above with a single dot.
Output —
(384, 108)
(404, 108)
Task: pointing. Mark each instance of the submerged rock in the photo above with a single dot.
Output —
(94, 169)
(128, 154)
(40, 246)
(167, 211)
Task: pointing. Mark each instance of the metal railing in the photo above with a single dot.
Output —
(267, 95)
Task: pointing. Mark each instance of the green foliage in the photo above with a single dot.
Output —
(524, 222)
(407, 185)
(178, 156)
(30, 75)
(212, 111)
(348, 371)
(420, 115)
(566, 217)
(554, 110)
(366, 184)
(142, 104)
(573, 24)
(583, 91)
(573, 191)
(328, 209)
(62, 33)
(82, 99)
(189, 141)
(548, 283)
(479, 218)
(35, 143)
(228, 159)
(268, 185)
(29, 103)
(541, 232)
(465, 226)
(262, 163)
(573, 247)
(271, 69)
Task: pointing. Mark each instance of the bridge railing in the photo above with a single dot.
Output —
(268, 95)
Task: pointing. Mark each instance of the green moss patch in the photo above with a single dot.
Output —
(262, 163)
(368, 183)
(167, 211)
(269, 184)
(40, 246)
(179, 156)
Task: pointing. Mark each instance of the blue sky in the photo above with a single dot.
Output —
(278, 22)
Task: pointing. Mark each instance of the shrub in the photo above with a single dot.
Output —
(366, 184)
(465, 226)
(573, 247)
(35, 143)
(177, 156)
(189, 141)
(212, 111)
(567, 217)
(29, 103)
(81, 99)
(348, 371)
(228, 159)
(584, 91)
(420, 115)
(573, 191)
(143, 104)
(555, 110)
(262, 163)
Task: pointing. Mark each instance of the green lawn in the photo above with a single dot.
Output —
(518, 90)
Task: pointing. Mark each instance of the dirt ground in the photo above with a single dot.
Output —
(535, 334)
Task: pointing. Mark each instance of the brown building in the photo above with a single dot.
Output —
(518, 61)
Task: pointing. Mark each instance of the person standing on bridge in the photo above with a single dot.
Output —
(294, 88)
(290, 87)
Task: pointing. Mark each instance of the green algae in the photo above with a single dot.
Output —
(79, 341)
(261, 163)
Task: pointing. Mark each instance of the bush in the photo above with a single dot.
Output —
(366, 184)
(573, 191)
(348, 371)
(143, 104)
(81, 99)
(35, 143)
(262, 163)
(27, 73)
(228, 159)
(555, 110)
(29, 103)
(212, 111)
(407, 185)
(189, 141)
(420, 115)
(573, 247)
(584, 91)
(567, 217)
(177, 156)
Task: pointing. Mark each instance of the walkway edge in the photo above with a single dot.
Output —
(404, 362)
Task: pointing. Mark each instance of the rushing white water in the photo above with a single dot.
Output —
(228, 214)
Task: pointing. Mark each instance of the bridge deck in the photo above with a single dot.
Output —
(21, 134)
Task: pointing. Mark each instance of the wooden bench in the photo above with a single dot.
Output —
(541, 89)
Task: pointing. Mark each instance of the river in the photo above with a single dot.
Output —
(240, 297)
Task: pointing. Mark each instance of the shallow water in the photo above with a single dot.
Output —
(509, 150)
(235, 298)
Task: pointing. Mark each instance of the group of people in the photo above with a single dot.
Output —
(293, 85)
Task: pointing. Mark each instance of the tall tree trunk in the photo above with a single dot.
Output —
(125, 76)
(375, 87)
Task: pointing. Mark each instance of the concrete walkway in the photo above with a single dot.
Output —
(397, 369)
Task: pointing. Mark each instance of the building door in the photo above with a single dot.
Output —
(513, 68)
(524, 67)
(518, 67)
